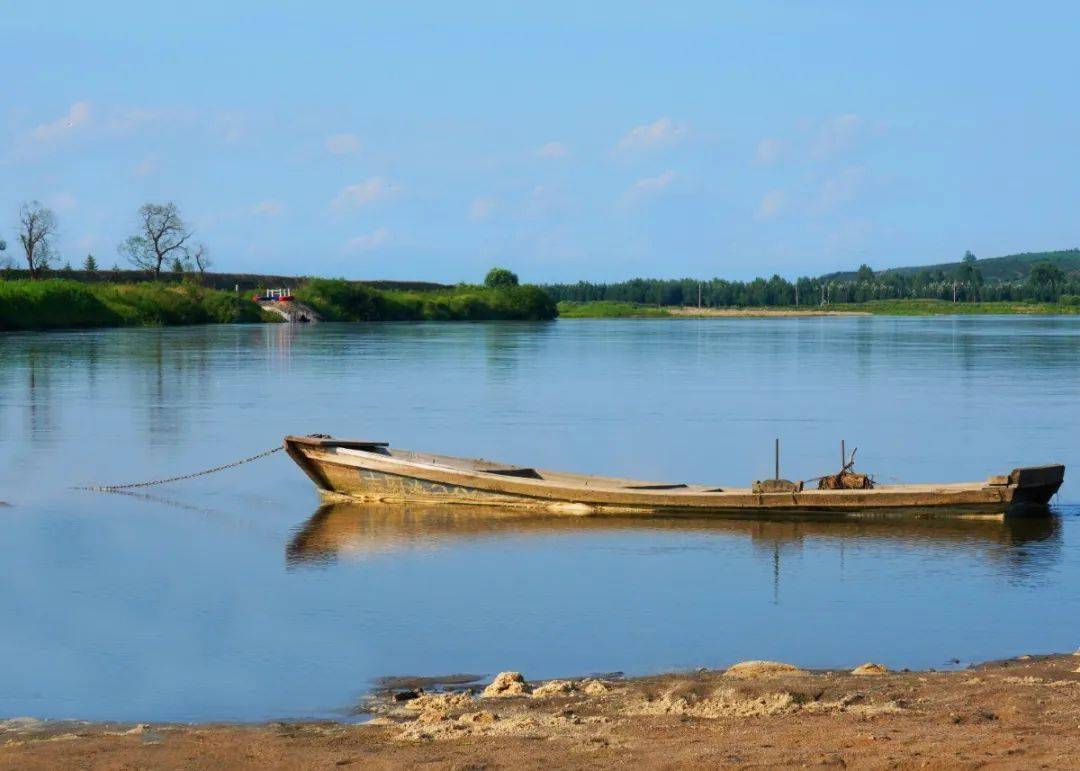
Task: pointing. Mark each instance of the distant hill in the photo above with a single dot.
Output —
(1011, 267)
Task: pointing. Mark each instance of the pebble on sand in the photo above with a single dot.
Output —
(870, 668)
(507, 684)
(762, 669)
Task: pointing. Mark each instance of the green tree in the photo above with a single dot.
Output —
(500, 277)
(90, 264)
(1044, 280)
(865, 273)
(970, 276)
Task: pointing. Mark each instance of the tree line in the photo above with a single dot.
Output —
(1045, 282)
(161, 241)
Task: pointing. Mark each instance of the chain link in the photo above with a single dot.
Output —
(154, 482)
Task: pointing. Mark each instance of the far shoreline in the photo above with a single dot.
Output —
(908, 307)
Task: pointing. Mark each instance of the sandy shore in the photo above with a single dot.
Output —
(1021, 713)
(691, 311)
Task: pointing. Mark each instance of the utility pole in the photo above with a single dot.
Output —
(796, 293)
(954, 291)
(699, 295)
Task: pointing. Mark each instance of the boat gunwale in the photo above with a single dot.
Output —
(958, 495)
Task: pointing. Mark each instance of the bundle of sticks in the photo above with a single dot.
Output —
(846, 479)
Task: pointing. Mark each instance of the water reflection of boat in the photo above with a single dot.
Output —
(353, 529)
(373, 471)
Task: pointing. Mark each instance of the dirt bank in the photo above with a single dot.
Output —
(1022, 713)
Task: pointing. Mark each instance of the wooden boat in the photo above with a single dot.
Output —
(373, 471)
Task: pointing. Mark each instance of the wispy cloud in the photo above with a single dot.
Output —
(835, 135)
(77, 116)
(481, 209)
(651, 185)
(663, 131)
(231, 126)
(368, 241)
(361, 194)
(839, 190)
(62, 201)
(127, 120)
(85, 242)
(343, 144)
(149, 166)
(770, 150)
(552, 150)
(268, 208)
(772, 205)
(814, 141)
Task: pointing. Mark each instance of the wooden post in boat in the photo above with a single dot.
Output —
(777, 458)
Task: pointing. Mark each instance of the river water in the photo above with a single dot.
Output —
(234, 596)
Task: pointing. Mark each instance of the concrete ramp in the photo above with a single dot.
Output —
(292, 311)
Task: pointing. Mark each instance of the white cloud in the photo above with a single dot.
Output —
(342, 144)
(148, 166)
(770, 150)
(268, 208)
(650, 185)
(361, 194)
(835, 135)
(481, 209)
(772, 205)
(663, 131)
(78, 115)
(368, 241)
(553, 150)
(839, 190)
(129, 119)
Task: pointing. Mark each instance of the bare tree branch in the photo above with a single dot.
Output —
(161, 234)
(201, 256)
(37, 225)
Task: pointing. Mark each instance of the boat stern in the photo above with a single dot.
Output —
(1033, 487)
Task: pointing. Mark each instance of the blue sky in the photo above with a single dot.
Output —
(564, 140)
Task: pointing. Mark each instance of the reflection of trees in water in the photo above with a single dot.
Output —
(40, 417)
(173, 375)
(1024, 548)
(507, 342)
(170, 371)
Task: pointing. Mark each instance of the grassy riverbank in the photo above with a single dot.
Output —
(914, 307)
(338, 300)
(62, 303)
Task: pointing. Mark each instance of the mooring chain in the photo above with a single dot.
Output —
(152, 483)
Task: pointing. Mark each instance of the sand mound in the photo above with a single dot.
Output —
(426, 702)
(762, 669)
(870, 668)
(724, 702)
(483, 723)
(507, 684)
(594, 687)
(553, 688)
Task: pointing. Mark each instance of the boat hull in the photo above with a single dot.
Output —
(370, 471)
